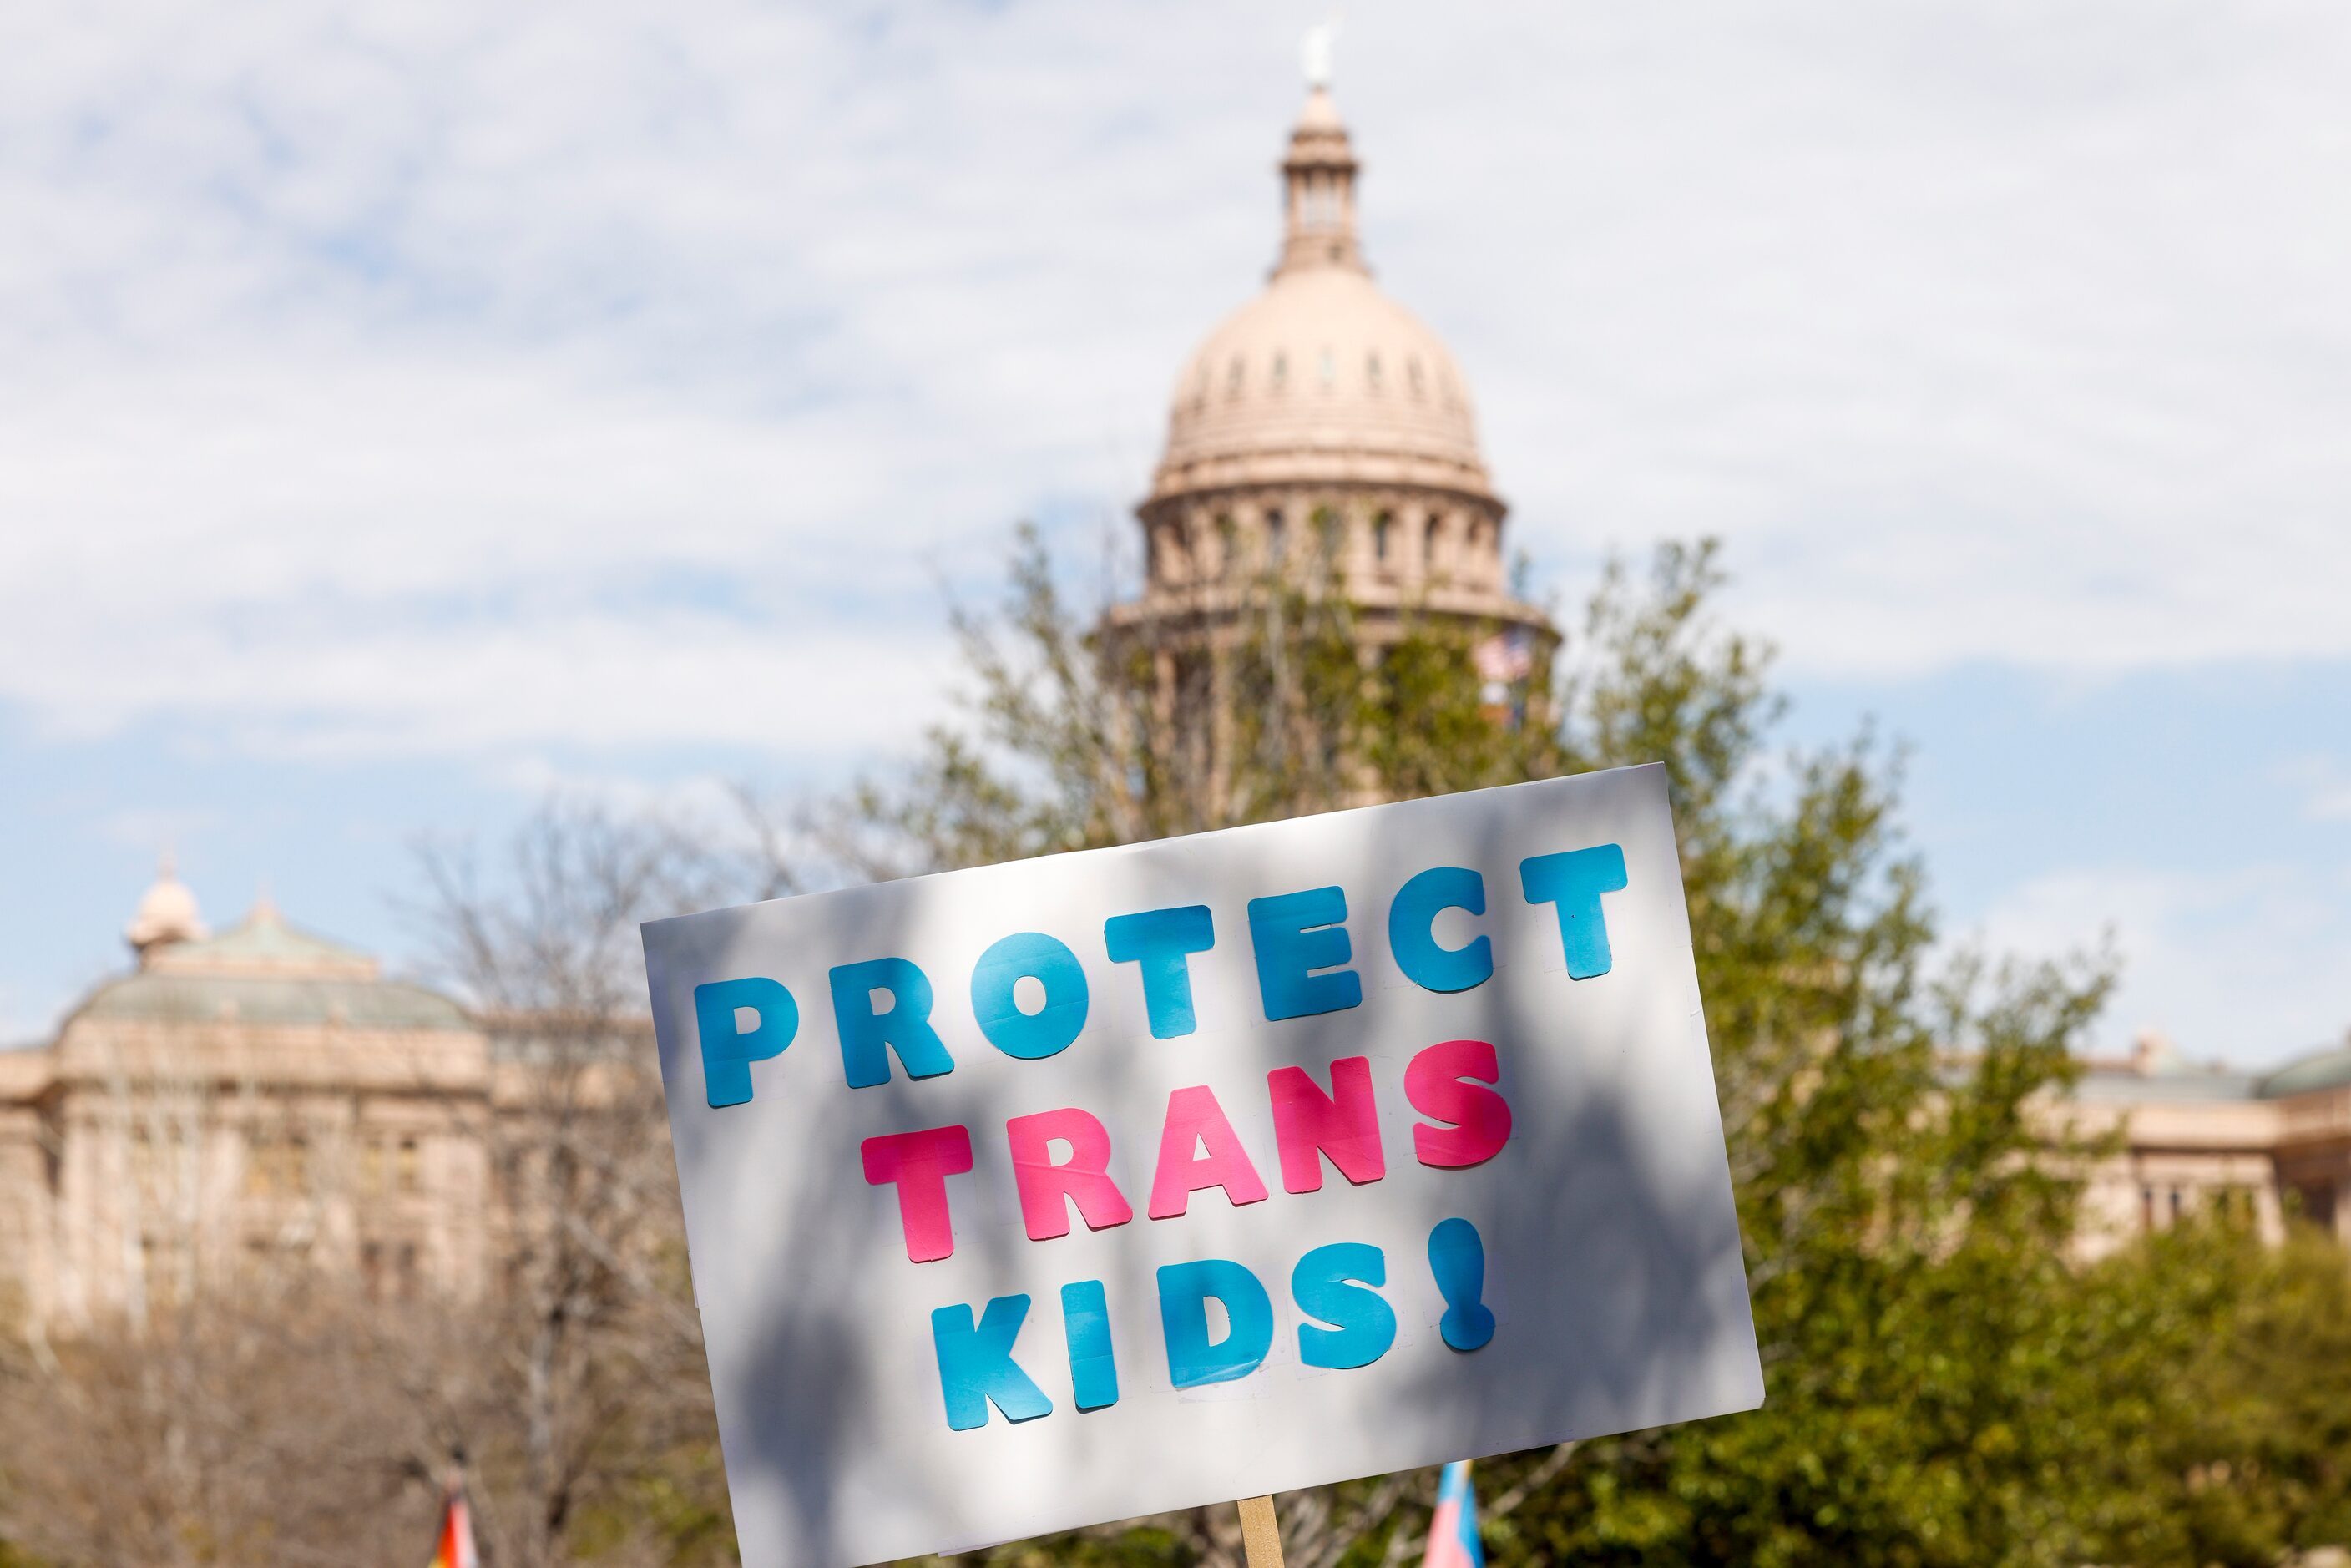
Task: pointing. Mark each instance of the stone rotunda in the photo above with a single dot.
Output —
(1323, 434)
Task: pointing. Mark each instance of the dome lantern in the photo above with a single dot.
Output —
(166, 914)
(1319, 191)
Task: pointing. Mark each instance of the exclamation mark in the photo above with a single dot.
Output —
(1457, 1258)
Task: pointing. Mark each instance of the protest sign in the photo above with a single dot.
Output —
(1037, 1195)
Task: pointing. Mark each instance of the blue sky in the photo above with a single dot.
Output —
(408, 409)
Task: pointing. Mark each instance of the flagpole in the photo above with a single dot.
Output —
(1260, 1532)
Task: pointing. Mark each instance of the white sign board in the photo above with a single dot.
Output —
(1034, 1196)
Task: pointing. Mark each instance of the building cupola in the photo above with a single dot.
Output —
(167, 914)
(1318, 186)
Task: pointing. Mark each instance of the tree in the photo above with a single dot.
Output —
(587, 1411)
(2227, 1368)
(281, 1412)
(1076, 739)
(1906, 1236)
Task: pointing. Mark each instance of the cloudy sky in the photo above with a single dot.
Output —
(407, 409)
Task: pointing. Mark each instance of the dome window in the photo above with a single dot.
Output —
(1383, 528)
(1372, 368)
(1281, 371)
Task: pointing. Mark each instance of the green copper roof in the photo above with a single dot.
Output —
(263, 937)
(2321, 1070)
(273, 1000)
(264, 971)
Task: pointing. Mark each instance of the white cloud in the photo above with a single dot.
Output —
(2245, 966)
(433, 378)
(416, 561)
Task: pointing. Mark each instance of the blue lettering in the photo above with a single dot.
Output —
(1085, 1320)
(867, 1036)
(1574, 882)
(1160, 941)
(1050, 1029)
(1414, 942)
(1331, 1283)
(727, 1052)
(975, 1364)
(1184, 1293)
(1296, 934)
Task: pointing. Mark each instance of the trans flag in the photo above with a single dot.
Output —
(1453, 1533)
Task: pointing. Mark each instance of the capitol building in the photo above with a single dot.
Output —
(236, 1100)
(239, 1098)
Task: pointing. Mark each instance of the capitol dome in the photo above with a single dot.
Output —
(1323, 434)
(1322, 376)
(1321, 443)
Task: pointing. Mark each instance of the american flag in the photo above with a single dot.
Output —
(1506, 657)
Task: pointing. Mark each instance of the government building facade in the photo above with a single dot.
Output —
(2267, 1149)
(238, 1101)
(233, 1102)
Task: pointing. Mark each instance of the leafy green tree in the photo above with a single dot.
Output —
(2228, 1369)
(1946, 1384)
(2274, 1396)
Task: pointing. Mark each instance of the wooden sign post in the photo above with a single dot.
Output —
(1260, 1532)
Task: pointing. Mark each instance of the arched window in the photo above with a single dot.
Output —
(1382, 527)
(1277, 543)
(1281, 371)
(1227, 545)
(1428, 531)
(1372, 368)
